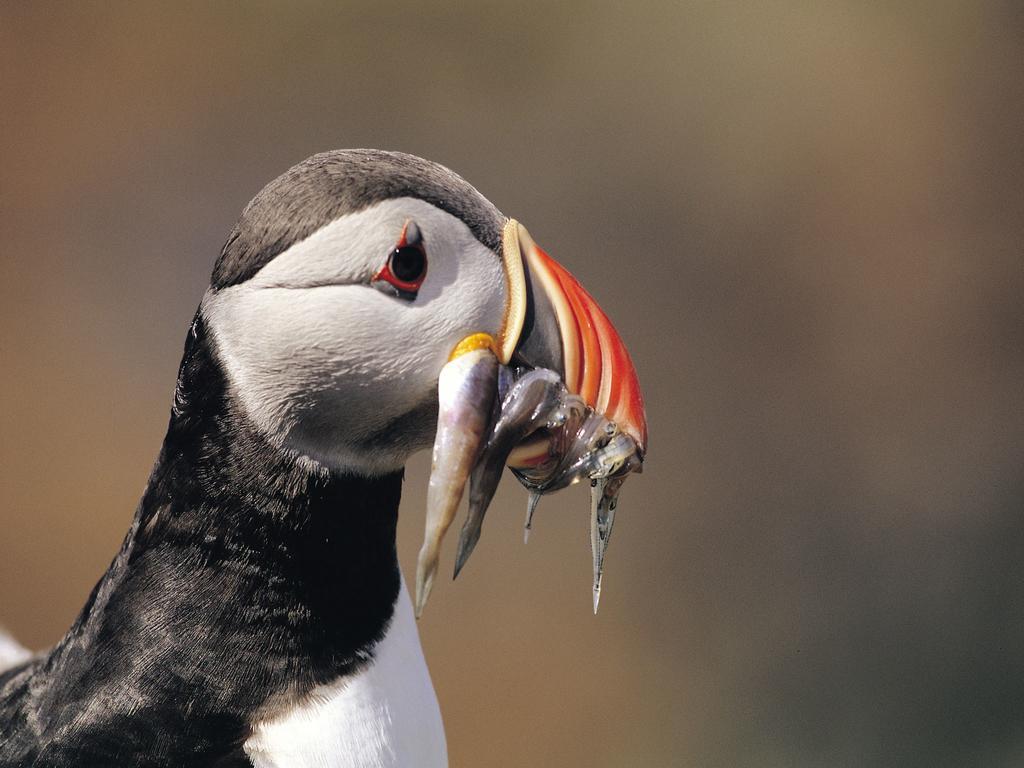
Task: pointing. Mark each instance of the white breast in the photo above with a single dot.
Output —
(384, 717)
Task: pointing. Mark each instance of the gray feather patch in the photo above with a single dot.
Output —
(325, 186)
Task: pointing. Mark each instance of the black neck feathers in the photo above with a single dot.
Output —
(248, 577)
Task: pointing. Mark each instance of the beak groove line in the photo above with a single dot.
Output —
(515, 282)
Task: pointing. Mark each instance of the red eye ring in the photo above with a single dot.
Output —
(406, 266)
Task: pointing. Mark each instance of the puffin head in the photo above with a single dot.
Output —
(352, 280)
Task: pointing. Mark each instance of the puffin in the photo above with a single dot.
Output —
(367, 304)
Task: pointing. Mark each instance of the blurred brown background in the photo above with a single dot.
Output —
(807, 220)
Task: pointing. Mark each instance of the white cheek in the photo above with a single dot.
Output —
(332, 367)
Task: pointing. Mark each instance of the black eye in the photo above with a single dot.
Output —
(406, 267)
(408, 263)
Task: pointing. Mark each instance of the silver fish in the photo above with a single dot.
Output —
(580, 445)
(466, 390)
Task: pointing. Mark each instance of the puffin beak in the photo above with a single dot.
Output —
(486, 421)
(558, 325)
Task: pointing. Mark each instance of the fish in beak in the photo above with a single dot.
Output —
(555, 397)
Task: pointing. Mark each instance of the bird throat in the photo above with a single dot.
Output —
(306, 550)
(247, 580)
